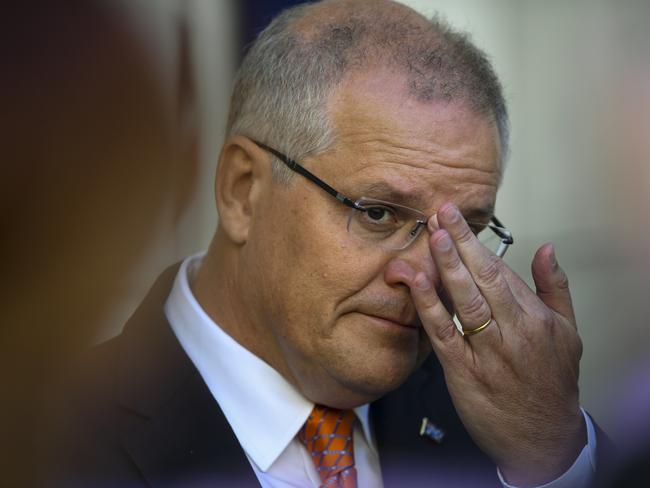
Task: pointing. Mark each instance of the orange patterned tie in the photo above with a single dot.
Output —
(327, 435)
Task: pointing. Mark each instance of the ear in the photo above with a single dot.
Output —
(243, 173)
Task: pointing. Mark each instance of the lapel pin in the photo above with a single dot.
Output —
(430, 430)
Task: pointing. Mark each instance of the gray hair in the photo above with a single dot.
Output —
(290, 71)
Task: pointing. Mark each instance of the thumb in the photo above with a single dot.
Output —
(445, 338)
(551, 282)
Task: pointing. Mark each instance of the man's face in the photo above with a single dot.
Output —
(344, 328)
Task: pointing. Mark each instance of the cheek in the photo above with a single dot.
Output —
(325, 272)
(322, 266)
(328, 259)
(311, 265)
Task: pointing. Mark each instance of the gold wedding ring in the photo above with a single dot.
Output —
(478, 329)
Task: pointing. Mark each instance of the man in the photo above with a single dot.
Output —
(324, 294)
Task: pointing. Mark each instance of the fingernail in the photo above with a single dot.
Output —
(443, 241)
(451, 212)
(421, 282)
(553, 257)
(433, 223)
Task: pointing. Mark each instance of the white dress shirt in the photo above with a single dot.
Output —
(266, 412)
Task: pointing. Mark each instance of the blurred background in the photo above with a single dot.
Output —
(113, 117)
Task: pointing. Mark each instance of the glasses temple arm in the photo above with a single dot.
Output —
(294, 166)
(499, 229)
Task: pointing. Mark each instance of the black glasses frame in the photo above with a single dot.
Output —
(295, 166)
(495, 224)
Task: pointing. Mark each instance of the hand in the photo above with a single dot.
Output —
(515, 383)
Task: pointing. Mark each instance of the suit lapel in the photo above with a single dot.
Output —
(173, 429)
(409, 459)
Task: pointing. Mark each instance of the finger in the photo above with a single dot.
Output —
(447, 342)
(551, 282)
(488, 271)
(470, 306)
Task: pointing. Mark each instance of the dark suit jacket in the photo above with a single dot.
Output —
(136, 412)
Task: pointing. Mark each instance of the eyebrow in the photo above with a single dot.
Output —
(481, 214)
(384, 191)
(381, 190)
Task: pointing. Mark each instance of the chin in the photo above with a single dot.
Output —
(382, 369)
(372, 381)
(364, 369)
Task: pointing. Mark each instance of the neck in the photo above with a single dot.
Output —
(224, 294)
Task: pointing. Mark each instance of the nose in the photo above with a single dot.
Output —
(406, 263)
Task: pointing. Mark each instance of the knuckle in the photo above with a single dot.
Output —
(539, 315)
(518, 314)
(537, 323)
(454, 263)
(427, 305)
(544, 316)
(488, 273)
(429, 310)
(528, 334)
(454, 270)
(476, 310)
(447, 333)
(563, 281)
(465, 234)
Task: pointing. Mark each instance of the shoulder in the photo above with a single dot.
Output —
(84, 413)
(79, 439)
(135, 411)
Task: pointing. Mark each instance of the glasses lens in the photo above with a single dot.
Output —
(393, 227)
(385, 224)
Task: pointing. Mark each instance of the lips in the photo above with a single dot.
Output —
(390, 310)
(413, 324)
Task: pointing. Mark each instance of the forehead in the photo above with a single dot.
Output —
(389, 145)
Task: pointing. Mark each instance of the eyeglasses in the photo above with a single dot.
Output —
(392, 226)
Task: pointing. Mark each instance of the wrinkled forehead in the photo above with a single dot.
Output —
(376, 106)
(412, 152)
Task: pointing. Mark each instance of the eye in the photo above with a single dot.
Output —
(379, 219)
(380, 214)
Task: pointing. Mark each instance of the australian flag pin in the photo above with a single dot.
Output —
(430, 430)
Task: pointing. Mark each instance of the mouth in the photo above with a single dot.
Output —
(392, 321)
(388, 312)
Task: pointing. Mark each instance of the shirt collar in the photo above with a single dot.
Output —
(264, 410)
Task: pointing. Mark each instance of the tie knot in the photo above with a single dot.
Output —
(327, 435)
